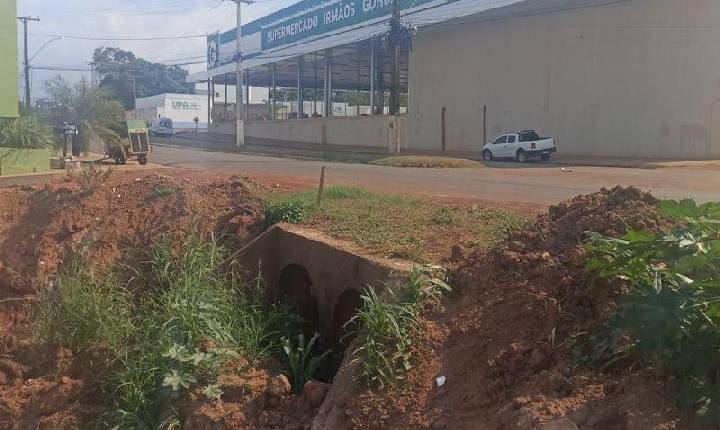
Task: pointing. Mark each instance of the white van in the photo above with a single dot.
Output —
(162, 127)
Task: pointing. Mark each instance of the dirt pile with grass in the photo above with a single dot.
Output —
(506, 342)
(105, 219)
(101, 217)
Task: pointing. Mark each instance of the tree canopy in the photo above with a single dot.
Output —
(118, 69)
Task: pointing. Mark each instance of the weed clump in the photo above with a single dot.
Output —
(385, 328)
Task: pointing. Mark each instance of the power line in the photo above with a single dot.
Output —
(63, 68)
(122, 39)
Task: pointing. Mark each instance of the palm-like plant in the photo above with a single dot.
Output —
(99, 115)
(26, 132)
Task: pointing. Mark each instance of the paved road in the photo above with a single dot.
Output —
(503, 182)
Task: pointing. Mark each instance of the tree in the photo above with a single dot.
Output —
(120, 71)
(99, 115)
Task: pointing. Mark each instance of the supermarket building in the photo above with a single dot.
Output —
(621, 78)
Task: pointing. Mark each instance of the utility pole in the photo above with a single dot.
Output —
(134, 97)
(239, 129)
(25, 20)
(395, 36)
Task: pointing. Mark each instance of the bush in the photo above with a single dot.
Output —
(386, 328)
(26, 132)
(669, 319)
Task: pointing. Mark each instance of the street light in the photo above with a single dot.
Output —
(28, 67)
(239, 129)
(44, 45)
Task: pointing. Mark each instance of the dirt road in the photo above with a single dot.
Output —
(504, 182)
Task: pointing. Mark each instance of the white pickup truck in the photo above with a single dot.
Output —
(520, 146)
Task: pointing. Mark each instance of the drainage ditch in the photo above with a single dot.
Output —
(321, 279)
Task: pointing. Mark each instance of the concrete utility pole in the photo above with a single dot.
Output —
(25, 20)
(239, 126)
(395, 34)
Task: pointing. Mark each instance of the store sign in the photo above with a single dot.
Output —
(322, 20)
(66, 128)
(185, 105)
(212, 52)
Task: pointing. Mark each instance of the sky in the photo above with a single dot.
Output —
(126, 19)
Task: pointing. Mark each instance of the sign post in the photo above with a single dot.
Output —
(66, 129)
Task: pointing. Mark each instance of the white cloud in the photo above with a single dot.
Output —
(127, 19)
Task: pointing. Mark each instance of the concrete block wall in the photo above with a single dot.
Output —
(361, 131)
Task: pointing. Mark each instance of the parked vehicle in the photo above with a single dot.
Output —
(161, 127)
(520, 146)
(137, 144)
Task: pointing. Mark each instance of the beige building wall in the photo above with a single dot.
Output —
(640, 78)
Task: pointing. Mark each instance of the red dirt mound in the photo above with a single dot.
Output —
(254, 399)
(503, 341)
(41, 226)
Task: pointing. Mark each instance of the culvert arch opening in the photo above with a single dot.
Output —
(346, 307)
(295, 290)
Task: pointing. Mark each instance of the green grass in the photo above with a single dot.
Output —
(387, 326)
(426, 162)
(84, 307)
(418, 229)
(189, 315)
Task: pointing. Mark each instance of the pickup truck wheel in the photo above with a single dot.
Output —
(545, 157)
(487, 155)
(521, 156)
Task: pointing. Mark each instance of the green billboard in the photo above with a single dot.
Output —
(8, 64)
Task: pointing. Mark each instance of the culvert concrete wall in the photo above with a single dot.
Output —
(289, 258)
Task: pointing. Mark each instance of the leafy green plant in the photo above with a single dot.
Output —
(25, 132)
(302, 360)
(385, 328)
(669, 318)
(688, 209)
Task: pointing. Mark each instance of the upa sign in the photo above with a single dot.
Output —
(185, 105)
(321, 20)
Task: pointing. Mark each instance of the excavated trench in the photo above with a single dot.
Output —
(321, 279)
